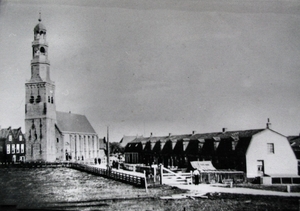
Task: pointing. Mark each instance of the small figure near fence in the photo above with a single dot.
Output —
(196, 176)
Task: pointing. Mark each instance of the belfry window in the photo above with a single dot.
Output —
(38, 99)
(31, 99)
(42, 50)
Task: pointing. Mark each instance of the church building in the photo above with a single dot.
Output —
(52, 135)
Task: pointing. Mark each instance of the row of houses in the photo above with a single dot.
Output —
(76, 141)
(258, 152)
(12, 145)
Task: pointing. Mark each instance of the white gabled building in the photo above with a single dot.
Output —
(270, 154)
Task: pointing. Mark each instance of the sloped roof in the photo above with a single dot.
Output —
(294, 140)
(227, 134)
(242, 136)
(203, 165)
(126, 139)
(5, 131)
(15, 132)
(295, 144)
(69, 122)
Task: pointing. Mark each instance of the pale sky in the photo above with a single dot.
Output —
(160, 66)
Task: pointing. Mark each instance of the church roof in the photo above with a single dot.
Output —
(68, 122)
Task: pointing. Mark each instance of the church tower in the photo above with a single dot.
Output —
(40, 109)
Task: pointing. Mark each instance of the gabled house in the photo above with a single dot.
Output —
(126, 139)
(12, 145)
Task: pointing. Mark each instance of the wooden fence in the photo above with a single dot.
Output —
(111, 174)
(169, 177)
(38, 164)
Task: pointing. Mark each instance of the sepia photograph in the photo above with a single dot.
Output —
(149, 105)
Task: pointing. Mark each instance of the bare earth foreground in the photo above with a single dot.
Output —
(68, 189)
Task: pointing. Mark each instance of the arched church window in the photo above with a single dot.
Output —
(31, 99)
(38, 99)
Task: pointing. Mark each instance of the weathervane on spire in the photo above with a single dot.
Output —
(40, 17)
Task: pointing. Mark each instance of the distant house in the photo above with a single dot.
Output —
(76, 139)
(12, 145)
(258, 153)
(126, 139)
(295, 144)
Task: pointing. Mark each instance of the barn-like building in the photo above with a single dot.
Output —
(258, 152)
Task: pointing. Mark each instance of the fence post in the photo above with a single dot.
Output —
(154, 174)
(161, 173)
(145, 178)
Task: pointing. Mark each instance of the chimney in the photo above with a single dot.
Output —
(170, 134)
(269, 124)
(224, 129)
(151, 134)
(193, 132)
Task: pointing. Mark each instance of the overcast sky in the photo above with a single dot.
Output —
(160, 66)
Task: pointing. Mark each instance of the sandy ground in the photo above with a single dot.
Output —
(203, 189)
(68, 189)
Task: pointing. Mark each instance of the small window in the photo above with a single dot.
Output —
(12, 149)
(57, 140)
(17, 148)
(48, 99)
(10, 138)
(52, 100)
(38, 99)
(20, 138)
(271, 149)
(8, 148)
(22, 148)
